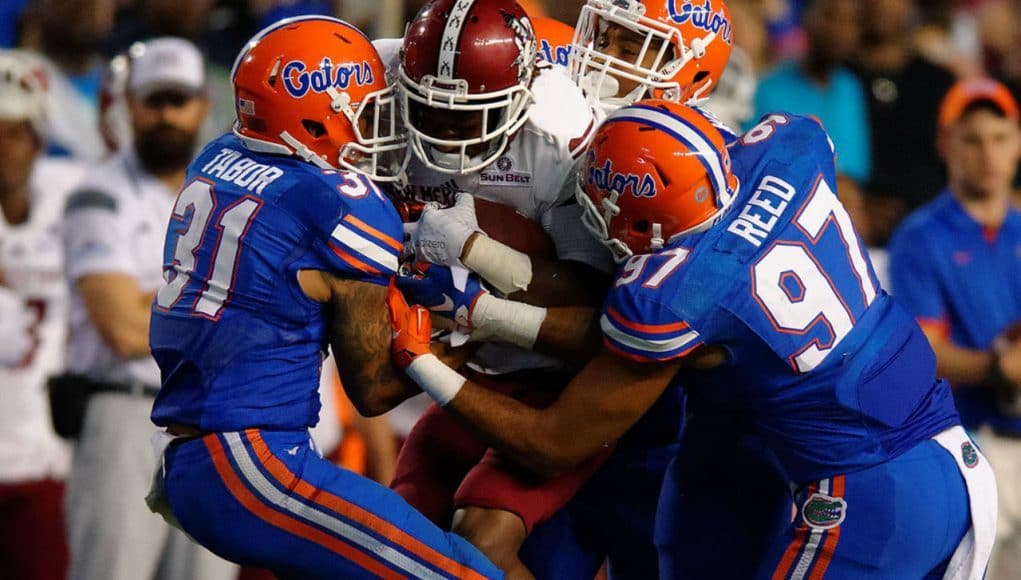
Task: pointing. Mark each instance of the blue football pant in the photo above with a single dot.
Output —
(723, 502)
(612, 518)
(267, 499)
(900, 519)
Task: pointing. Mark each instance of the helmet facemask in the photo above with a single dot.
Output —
(653, 67)
(378, 150)
(499, 115)
(597, 220)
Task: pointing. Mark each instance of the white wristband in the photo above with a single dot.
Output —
(502, 266)
(440, 381)
(514, 322)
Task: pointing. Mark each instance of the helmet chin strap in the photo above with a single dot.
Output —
(657, 241)
(303, 152)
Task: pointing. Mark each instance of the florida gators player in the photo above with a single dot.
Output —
(627, 50)
(744, 281)
(280, 244)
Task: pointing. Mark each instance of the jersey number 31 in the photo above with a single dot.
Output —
(231, 225)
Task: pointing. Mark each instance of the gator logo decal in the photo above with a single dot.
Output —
(606, 178)
(969, 454)
(299, 79)
(702, 16)
(824, 512)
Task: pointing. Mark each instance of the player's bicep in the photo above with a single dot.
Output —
(360, 334)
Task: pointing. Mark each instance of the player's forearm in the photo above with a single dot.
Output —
(564, 283)
(533, 280)
(570, 333)
(566, 333)
(360, 336)
(374, 387)
(529, 437)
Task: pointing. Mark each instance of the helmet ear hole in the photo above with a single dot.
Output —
(699, 76)
(256, 124)
(313, 128)
(641, 226)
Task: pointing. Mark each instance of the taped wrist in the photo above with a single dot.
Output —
(506, 320)
(507, 269)
(440, 381)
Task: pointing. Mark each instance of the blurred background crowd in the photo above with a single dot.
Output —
(874, 71)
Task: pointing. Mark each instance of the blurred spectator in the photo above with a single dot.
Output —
(33, 461)
(902, 91)
(956, 263)
(219, 29)
(819, 85)
(67, 34)
(948, 35)
(115, 226)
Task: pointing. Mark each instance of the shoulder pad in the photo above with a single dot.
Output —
(560, 109)
(389, 50)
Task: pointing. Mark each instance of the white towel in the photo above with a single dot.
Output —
(972, 555)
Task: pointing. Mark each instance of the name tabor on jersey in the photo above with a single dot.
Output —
(233, 166)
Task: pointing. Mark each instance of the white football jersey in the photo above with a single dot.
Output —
(32, 262)
(536, 176)
(536, 171)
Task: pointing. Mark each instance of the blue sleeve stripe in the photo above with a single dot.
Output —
(645, 356)
(646, 331)
(682, 342)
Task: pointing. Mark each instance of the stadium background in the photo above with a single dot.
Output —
(881, 66)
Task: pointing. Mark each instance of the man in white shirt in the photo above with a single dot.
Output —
(115, 225)
(33, 315)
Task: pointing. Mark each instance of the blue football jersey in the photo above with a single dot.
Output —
(826, 368)
(238, 343)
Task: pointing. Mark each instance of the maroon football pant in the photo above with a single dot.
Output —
(442, 467)
(33, 541)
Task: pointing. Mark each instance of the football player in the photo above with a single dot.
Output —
(743, 280)
(627, 50)
(280, 243)
(484, 117)
(462, 114)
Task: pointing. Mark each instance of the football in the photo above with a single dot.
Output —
(505, 225)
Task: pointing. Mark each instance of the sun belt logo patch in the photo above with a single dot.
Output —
(824, 512)
(299, 80)
(701, 16)
(605, 178)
